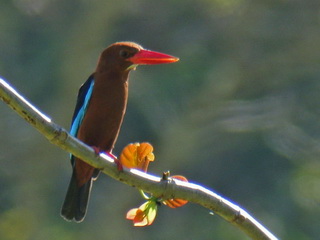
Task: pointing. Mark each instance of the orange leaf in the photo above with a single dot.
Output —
(175, 202)
(180, 177)
(144, 215)
(136, 155)
(131, 213)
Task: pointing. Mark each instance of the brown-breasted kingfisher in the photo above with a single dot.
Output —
(98, 115)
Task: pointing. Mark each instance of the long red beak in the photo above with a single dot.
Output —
(151, 57)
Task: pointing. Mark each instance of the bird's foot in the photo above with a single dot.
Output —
(119, 165)
(116, 161)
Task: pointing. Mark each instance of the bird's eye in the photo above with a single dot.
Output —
(124, 53)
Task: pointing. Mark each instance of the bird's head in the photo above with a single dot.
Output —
(125, 56)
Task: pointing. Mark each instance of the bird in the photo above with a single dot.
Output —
(97, 119)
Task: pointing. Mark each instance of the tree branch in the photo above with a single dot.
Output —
(152, 184)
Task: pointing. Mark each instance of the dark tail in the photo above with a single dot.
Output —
(76, 201)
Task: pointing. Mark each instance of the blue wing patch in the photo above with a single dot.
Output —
(83, 99)
(84, 96)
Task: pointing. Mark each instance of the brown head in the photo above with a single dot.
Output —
(125, 56)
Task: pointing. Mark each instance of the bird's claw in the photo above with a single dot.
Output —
(119, 165)
(115, 159)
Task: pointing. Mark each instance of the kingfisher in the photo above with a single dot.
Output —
(98, 115)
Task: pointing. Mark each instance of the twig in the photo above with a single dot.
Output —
(152, 184)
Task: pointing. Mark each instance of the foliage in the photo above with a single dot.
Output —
(138, 156)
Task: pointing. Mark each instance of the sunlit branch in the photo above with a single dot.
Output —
(166, 189)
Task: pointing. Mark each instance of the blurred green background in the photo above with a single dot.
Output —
(239, 113)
